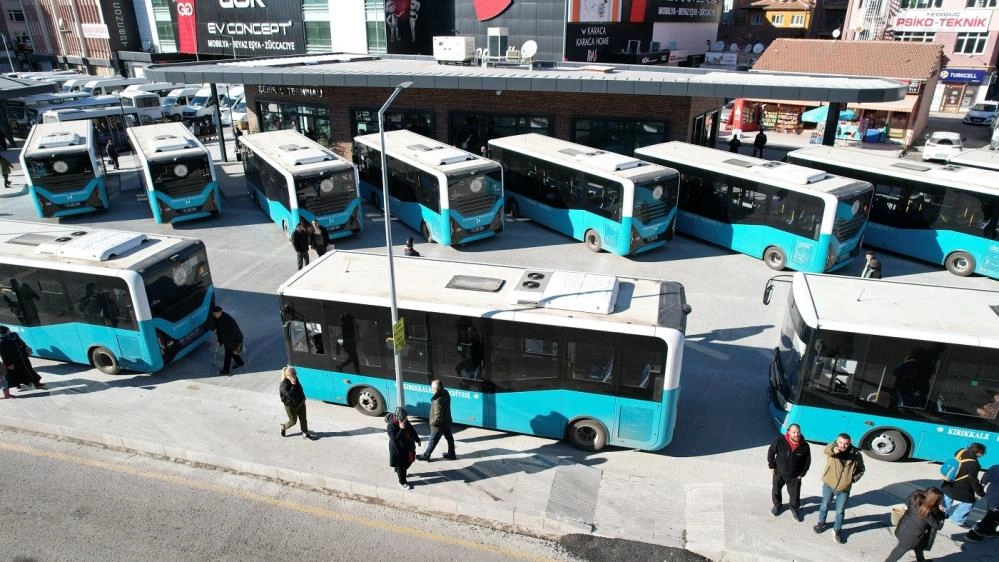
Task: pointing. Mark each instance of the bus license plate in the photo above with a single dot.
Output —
(187, 210)
(477, 229)
(72, 205)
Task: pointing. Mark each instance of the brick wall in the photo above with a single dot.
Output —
(678, 112)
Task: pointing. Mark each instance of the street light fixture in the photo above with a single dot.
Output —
(232, 43)
(400, 398)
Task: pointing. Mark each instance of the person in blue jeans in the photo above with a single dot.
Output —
(440, 422)
(988, 525)
(844, 467)
(961, 492)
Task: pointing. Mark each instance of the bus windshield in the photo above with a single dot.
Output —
(794, 338)
(324, 194)
(474, 186)
(176, 286)
(655, 198)
(186, 175)
(851, 215)
(169, 101)
(61, 166)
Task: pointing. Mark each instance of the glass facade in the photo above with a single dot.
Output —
(365, 121)
(374, 21)
(312, 121)
(622, 136)
(471, 131)
(317, 37)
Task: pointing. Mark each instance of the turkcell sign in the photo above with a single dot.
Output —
(963, 75)
(250, 27)
(960, 21)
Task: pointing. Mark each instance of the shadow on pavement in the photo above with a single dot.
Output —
(599, 549)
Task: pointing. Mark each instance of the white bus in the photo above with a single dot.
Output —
(23, 112)
(112, 85)
(908, 370)
(177, 171)
(609, 201)
(593, 359)
(985, 158)
(943, 214)
(786, 215)
(450, 196)
(62, 165)
(109, 122)
(294, 179)
(112, 299)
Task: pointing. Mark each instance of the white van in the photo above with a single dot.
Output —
(103, 86)
(148, 103)
(76, 84)
(201, 105)
(175, 102)
(162, 89)
(232, 95)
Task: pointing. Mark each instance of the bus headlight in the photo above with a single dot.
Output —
(831, 256)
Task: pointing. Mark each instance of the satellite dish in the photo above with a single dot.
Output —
(672, 45)
(758, 48)
(836, 33)
(733, 48)
(719, 46)
(529, 49)
(747, 49)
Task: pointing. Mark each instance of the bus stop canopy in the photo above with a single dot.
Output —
(18, 87)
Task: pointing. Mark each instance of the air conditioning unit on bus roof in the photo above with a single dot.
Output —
(789, 172)
(295, 155)
(439, 154)
(57, 140)
(564, 290)
(169, 143)
(96, 245)
(602, 159)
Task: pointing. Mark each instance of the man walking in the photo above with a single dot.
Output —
(293, 397)
(789, 458)
(230, 338)
(961, 492)
(15, 355)
(872, 268)
(320, 238)
(759, 143)
(440, 422)
(844, 466)
(734, 143)
(5, 171)
(987, 526)
(300, 241)
(112, 152)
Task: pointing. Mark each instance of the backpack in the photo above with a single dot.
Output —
(951, 467)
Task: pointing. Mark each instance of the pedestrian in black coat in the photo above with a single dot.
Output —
(403, 440)
(734, 143)
(320, 238)
(112, 152)
(15, 355)
(300, 240)
(759, 143)
(918, 527)
(293, 397)
(788, 458)
(230, 338)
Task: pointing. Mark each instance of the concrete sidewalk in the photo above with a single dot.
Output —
(713, 505)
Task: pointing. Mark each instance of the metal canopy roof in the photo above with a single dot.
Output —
(16, 87)
(386, 71)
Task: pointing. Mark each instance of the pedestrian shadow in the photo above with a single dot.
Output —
(874, 521)
(495, 463)
(349, 433)
(730, 334)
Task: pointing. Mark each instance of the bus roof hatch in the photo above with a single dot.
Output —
(57, 140)
(790, 172)
(565, 290)
(95, 245)
(439, 155)
(169, 143)
(612, 162)
(295, 155)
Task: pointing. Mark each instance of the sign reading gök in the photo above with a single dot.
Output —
(255, 27)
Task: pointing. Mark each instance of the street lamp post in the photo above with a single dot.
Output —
(400, 397)
(232, 43)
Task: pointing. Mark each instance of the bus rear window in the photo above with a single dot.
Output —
(176, 286)
(61, 165)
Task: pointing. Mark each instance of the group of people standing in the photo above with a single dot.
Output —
(402, 436)
(789, 459)
(308, 236)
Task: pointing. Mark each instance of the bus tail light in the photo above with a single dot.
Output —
(455, 227)
(831, 256)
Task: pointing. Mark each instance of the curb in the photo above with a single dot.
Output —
(13, 191)
(536, 525)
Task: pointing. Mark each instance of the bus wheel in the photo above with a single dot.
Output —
(592, 240)
(512, 208)
(373, 199)
(887, 445)
(774, 258)
(425, 232)
(960, 263)
(104, 361)
(587, 435)
(368, 401)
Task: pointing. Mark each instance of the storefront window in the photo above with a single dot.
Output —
(915, 36)
(471, 131)
(971, 43)
(622, 136)
(981, 4)
(312, 121)
(365, 121)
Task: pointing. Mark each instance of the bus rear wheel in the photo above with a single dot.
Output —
(368, 401)
(104, 361)
(592, 241)
(425, 232)
(513, 208)
(960, 263)
(775, 258)
(587, 435)
(887, 445)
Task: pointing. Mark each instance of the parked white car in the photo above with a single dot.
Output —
(941, 145)
(982, 114)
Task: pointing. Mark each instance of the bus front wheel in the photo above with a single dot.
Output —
(512, 208)
(592, 241)
(887, 445)
(587, 435)
(960, 263)
(104, 361)
(775, 258)
(368, 401)
(425, 232)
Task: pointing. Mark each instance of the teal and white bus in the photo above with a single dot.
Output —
(293, 179)
(593, 359)
(610, 202)
(22, 112)
(943, 214)
(907, 370)
(177, 172)
(63, 170)
(449, 195)
(112, 299)
(786, 215)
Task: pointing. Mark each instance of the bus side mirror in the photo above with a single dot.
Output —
(767, 292)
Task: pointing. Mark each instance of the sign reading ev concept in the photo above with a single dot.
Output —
(255, 27)
(943, 21)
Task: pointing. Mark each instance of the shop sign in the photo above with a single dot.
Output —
(963, 75)
(721, 58)
(960, 21)
(123, 30)
(913, 86)
(677, 56)
(645, 11)
(95, 31)
(290, 91)
(240, 27)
